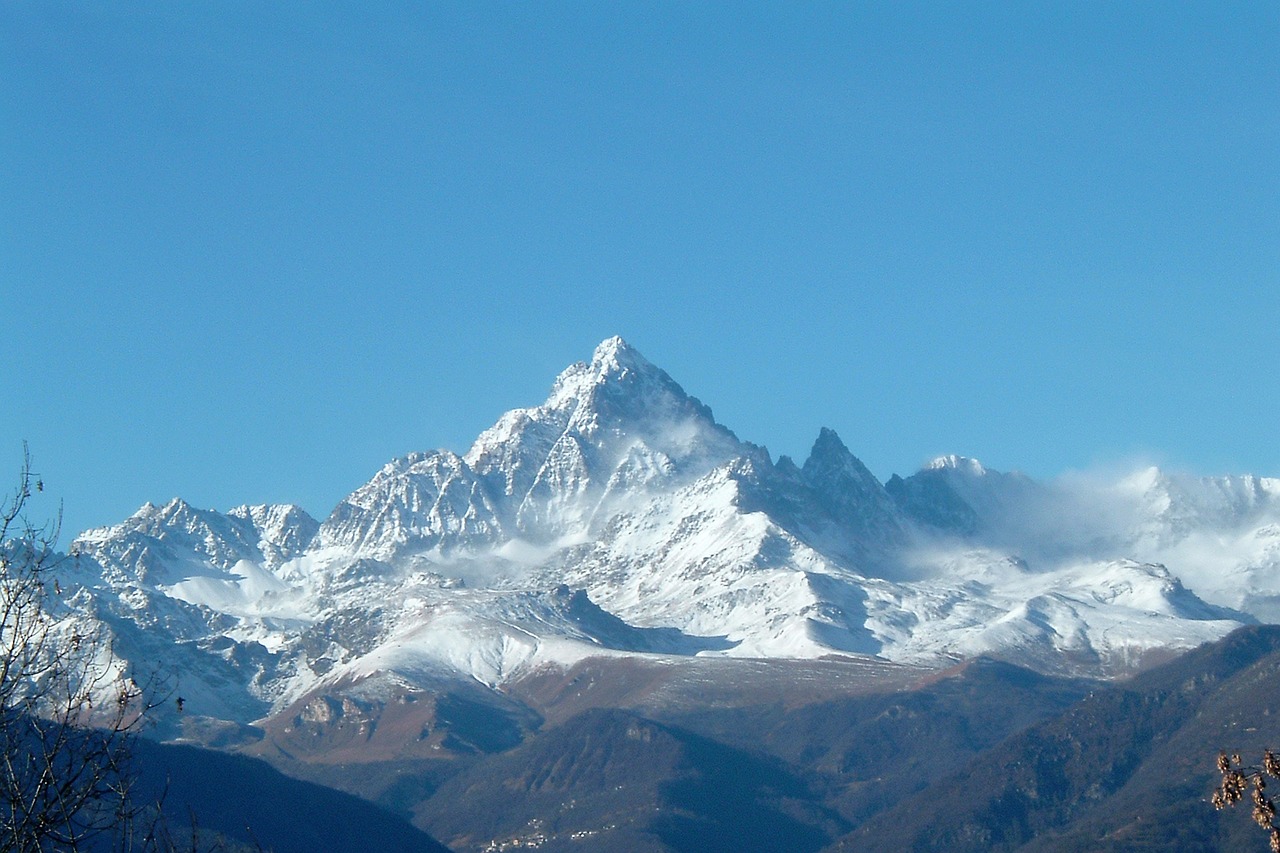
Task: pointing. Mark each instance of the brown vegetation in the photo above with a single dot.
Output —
(1238, 778)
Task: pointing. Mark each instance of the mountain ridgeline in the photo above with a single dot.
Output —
(614, 567)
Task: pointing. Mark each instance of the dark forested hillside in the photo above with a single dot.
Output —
(238, 802)
(1129, 767)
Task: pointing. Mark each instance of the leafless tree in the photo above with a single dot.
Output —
(68, 707)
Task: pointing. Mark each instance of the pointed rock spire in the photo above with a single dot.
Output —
(847, 490)
(830, 464)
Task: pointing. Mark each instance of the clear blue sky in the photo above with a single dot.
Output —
(249, 254)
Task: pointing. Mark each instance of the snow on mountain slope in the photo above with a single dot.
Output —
(1172, 505)
(1085, 618)
(618, 518)
(423, 501)
(284, 530)
(695, 560)
(612, 430)
(852, 499)
(158, 542)
(1220, 535)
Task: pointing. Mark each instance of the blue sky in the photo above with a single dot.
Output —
(249, 254)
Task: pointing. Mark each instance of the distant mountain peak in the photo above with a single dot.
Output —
(613, 363)
(1145, 479)
(168, 509)
(848, 491)
(614, 429)
(828, 440)
(614, 352)
(617, 393)
(173, 511)
(831, 458)
(954, 462)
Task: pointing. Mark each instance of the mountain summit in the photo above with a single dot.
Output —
(612, 430)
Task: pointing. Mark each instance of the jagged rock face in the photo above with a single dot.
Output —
(613, 429)
(957, 495)
(155, 538)
(421, 502)
(850, 493)
(618, 518)
(284, 530)
(927, 498)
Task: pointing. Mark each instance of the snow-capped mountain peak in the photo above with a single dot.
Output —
(612, 429)
(952, 462)
(618, 390)
(613, 356)
(1181, 499)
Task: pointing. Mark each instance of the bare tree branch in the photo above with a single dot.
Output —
(68, 709)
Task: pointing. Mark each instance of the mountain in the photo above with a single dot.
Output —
(956, 494)
(785, 755)
(615, 558)
(619, 518)
(635, 754)
(158, 543)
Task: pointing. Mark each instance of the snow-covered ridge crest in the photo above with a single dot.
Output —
(957, 463)
(270, 534)
(424, 500)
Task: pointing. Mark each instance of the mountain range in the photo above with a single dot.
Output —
(616, 558)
